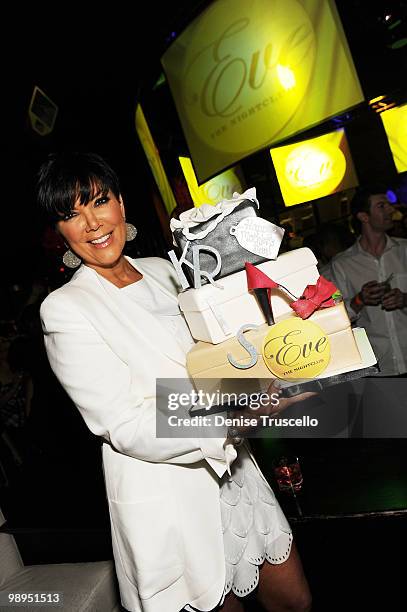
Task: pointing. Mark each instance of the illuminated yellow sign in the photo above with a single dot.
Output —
(219, 188)
(246, 74)
(295, 349)
(154, 160)
(395, 124)
(314, 168)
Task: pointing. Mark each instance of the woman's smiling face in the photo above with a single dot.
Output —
(96, 231)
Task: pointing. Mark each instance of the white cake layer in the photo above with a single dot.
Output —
(215, 314)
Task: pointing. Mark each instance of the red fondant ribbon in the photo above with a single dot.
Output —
(314, 297)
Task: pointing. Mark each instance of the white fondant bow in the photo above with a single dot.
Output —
(199, 214)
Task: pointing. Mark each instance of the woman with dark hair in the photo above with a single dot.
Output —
(192, 518)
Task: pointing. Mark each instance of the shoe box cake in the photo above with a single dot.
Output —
(248, 306)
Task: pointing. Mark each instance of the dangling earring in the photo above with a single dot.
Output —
(131, 231)
(71, 260)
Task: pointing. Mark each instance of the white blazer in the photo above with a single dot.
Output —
(163, 494)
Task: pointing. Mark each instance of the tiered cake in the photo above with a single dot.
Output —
(225, 314)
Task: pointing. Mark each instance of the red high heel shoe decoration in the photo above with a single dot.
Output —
(261, 284)
(314, 296)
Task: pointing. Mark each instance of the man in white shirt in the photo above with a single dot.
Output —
(372, 276)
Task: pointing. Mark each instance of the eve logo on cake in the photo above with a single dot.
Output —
(295, 348)
(291, 349)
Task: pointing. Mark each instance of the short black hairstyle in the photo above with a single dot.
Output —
(65, 177)
(361, 202)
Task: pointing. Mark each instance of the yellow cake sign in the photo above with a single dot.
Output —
(295, 348)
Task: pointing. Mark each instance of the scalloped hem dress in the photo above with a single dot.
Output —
(255, 529)
(254, 526)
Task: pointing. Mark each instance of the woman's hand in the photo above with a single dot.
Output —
(284, 402)
(271, 407)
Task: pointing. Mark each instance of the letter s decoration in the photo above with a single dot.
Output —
(247, 345)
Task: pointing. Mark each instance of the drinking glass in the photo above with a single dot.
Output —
(288, 475)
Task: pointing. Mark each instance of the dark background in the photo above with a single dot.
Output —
(97, 64)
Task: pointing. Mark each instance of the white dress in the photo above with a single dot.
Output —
(254, 526)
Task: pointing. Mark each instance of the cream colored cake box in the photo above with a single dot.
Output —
(215, 313)
(210, 361)
(210, 369)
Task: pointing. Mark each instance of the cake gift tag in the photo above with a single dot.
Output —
(258, 236)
